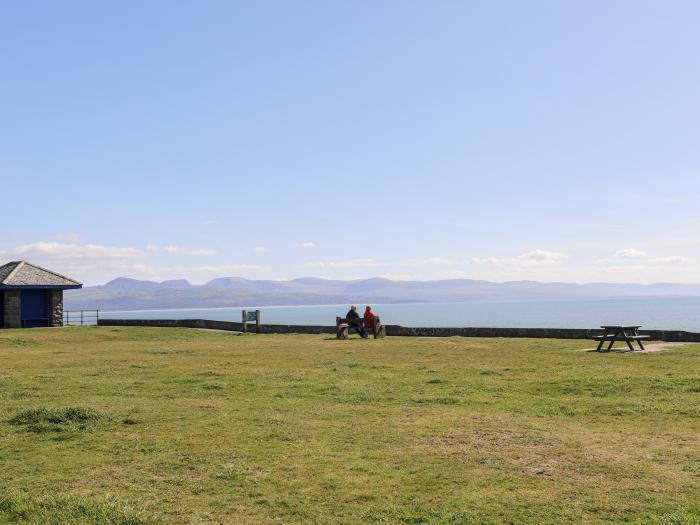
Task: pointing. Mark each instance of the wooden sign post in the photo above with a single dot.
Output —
(251, 317)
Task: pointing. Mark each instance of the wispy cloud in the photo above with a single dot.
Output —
(95, 263)
(527, 259)
(66, 237)
(85, 262)
(71, 251)
(223, 270)
(674, 259)
(179, 250)
(399, 276)
(353, 263)
(640, 259)
(438, 261)
(261, 249)
(630, 253)
(308, 245)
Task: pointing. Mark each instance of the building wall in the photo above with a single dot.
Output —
(12, 309)
(54, 300)
(11, 304)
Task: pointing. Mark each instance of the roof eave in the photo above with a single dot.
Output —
(40, 286)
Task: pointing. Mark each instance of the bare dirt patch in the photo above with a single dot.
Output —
(527, 451)
(621, 348)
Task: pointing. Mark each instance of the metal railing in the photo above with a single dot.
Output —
(81, 317)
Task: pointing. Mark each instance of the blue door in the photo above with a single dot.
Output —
(34, 308)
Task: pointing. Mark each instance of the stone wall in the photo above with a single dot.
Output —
(395, 330)
(218, 325)
(12, 309)
(54, 307)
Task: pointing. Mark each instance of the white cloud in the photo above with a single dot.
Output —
(527, 259)
(353, 263)
(308, 245)
(85, 262)
(438, 261)
(261, 249)
(66, 237)
(675, 259)
(494, 261)
(400, 276)
(630, 253)
(95, 263)
(640, 261)
(224, 269)
(541, 255)
(71, 251)
(179, 250)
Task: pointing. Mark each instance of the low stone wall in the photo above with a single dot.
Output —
(396, 330)
(219, 325)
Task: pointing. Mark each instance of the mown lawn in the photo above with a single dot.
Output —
(131, 426)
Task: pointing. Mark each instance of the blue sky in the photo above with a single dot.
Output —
(500, 140)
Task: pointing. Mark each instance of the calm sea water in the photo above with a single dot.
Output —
(678, 313)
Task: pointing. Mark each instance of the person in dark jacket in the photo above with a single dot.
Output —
(353, 321)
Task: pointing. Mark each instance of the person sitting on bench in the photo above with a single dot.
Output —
(353, 323)
(369, 318)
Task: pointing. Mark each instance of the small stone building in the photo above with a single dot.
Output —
(31, 296)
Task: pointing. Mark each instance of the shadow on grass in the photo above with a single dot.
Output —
(71, 419)
(59, 509)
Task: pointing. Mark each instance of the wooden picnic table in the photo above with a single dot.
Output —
(614, 333)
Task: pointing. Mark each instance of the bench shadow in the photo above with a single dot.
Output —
(348, 339)
(613, 351)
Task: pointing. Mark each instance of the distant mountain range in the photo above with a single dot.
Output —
(130, 294)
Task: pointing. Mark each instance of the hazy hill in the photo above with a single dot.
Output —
(131, 294)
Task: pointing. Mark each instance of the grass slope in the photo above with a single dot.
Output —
(135, 426)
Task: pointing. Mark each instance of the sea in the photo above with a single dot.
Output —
(666, 313)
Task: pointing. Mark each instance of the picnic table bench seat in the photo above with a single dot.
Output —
(616, 338)
(343, 326)
(613, 333)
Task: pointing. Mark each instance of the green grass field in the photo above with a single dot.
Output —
(131, 426)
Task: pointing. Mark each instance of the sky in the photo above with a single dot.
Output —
(499, 140)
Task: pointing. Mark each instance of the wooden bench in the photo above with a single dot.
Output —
(628, 334)
(343, 326)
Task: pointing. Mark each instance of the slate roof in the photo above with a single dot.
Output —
(22, 273)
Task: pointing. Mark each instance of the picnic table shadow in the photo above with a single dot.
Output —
(649, 348)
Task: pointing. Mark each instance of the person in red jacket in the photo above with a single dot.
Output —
(369, 318)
